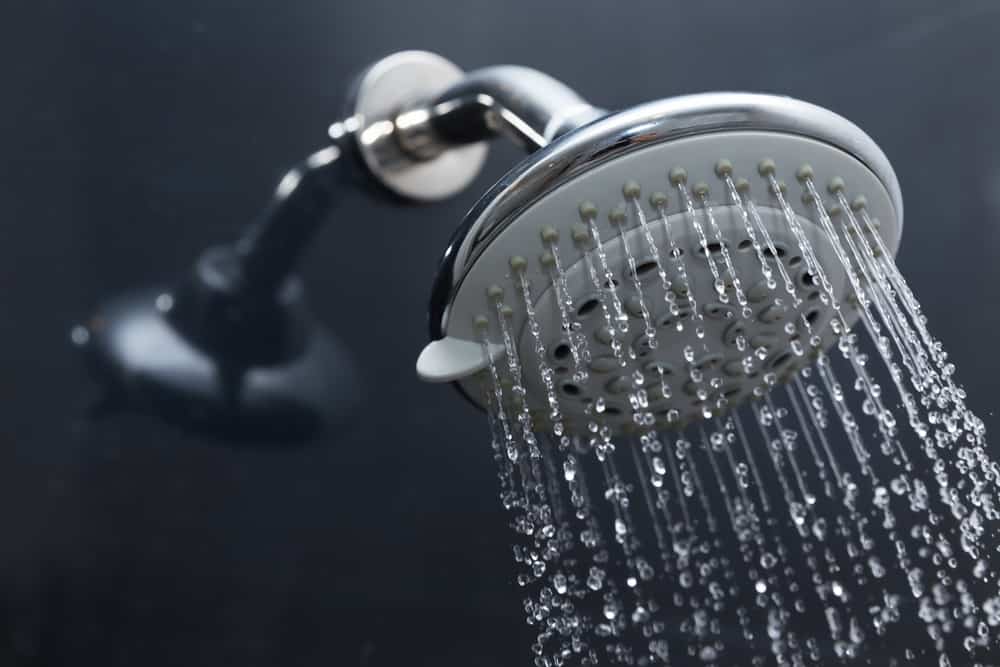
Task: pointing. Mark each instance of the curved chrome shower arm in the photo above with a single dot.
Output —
(527, 106)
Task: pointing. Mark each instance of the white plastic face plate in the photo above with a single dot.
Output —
(716, 354)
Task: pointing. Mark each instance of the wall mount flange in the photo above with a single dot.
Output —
(377, 118)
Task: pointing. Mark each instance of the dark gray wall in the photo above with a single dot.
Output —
(135, 132)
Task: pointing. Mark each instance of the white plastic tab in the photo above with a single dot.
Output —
(451, 359)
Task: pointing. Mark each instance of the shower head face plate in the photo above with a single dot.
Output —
(716, 345)
(716, 332)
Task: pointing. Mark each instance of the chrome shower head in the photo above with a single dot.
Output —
(659, 250)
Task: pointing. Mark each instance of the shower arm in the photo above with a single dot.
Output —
(522, 104)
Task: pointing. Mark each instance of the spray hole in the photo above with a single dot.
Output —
(726, 392)
(795, 261)
(780, 360)
(633, 306)
(732, 333)
(813, 296)
(807, 279)
(712, 248)
(656, 367)
(561, 351)
(571, 389)
(642, 347)
(604, 335)
(708, 361)
(718, 311)
(587, 307)
(780, 250)
(745, 244)
(612, 410)
(562, 370)
(645, 268)
(812, 316)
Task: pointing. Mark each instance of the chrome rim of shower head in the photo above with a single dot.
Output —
(419, 127)
(641, 146)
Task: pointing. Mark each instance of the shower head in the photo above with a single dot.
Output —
(648, 255)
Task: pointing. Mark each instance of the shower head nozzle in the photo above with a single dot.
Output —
(661, 264)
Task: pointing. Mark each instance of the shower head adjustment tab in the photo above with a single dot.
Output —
(450, 359)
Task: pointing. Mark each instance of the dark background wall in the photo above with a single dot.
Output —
(135, 132)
